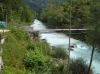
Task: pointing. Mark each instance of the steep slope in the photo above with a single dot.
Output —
(33, 5)
(41, 3)
(38, 5)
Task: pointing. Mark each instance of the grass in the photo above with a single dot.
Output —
(59, 52)
(17, 46)
(14, 50)
(79, 66)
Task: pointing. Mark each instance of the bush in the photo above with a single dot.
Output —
(14, 49)
(58, 67)
(37, 62)
(43, 46)
(20, 34)
(35, 34)
(30, 46)
(60, 53)
(78, 66)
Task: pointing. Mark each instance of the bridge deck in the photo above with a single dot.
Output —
(59, 30)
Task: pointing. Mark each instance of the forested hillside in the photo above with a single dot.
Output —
(38, 5)
(16, 11)
(34, 6)
(59, 15)
(21, 55)
(83, 13)
(79, 14)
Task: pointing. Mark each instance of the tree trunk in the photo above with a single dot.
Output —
(91, 57)
(69, 37)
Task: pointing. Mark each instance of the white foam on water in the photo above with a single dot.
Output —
(59, 39)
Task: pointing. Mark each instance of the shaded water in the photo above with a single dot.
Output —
(60, 39)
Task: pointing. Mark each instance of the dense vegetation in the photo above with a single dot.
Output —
(84, 14)
(16, 11)
(34, 6)
(79, 66)
(14, 51)
(18, 59)
(59, 15)
(22, 56)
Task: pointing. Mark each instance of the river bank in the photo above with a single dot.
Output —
(79, 35)
(59, 39)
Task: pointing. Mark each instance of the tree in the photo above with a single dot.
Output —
(16, 11)
(55, 14)
(26, 14)
(93, 36)
(80, 12)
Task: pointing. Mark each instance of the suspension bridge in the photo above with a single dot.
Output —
(44, 30)
(31, 29)
(74, 31)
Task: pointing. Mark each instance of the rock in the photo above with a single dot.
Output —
(70, 49)
(73, 46)
(52, 47)
(42, 40)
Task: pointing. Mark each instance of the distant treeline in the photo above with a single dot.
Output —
(16, 11)
(82, 13)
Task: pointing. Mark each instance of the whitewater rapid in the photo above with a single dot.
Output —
(60, 39)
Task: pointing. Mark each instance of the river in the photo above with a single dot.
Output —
(60, 39)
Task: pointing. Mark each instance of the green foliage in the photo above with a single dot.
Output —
(14, 51)
(12, 70)
(43, 46)
(37, 62)
(80, 12)
(93, 35)
(37, 59)
(34, 6)
(35, 34)
(53, 15)
(20, 34)
(16, 11)
(57, 69)
(30, 46)
(26, 15)
(79, 66)
(15, 48)
(59, 14)
(60, 53)
(58, 66)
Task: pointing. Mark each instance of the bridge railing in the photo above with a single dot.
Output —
(64, 27)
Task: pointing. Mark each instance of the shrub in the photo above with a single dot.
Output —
(58, 68)
(35, 34)
(60, 53)
(13, 70)
(20, 34)
(43, 46)
(37, 62)
(78, 66)
(14, 49)
(30, 46)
